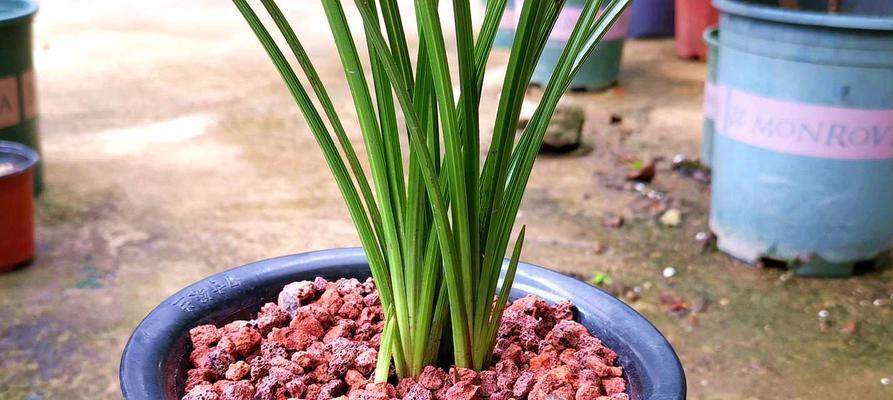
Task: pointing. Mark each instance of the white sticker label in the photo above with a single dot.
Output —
(9, 102)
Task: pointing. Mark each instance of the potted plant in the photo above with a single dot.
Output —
(803, 150)
(433, 239)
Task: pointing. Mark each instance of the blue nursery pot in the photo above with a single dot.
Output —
(803, 150)
(652, 18)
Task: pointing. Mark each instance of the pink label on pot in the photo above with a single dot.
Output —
(9, 102)
(802, 129)
(29, 94)
(567, 20)
(711, 100)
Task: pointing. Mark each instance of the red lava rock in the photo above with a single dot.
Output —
(332, 389)
(355, 379)
(202, 392)
(331, 301)
(240, 390)
(524, 384)
(245, 340)
(383, 388)
(557, 383)
(366, 395)
(418, 392)
(544, 361)
(271, 316)
(567, 334)
(343, 329)
(365, 362)
(296, 388)
(464, 390)
(294, 294)
(259, 368)
(403, 386)
(320, 340)
(349, 286)
(432, 378)
(204, 336)
(237, 370)
(462, 375)
(219, 360)
(267, 388)
(372, 299)
(587, 391)
(563, 310)
(199, 357)
(199, 376)
(299, 334)
(614, 385)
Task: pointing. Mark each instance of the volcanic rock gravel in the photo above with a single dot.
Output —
(319, 342)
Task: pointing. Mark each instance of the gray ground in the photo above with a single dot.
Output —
(173, 152)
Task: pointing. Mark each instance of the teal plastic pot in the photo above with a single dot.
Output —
(711, 38)
(18, 88)
(803, 151)
(601, 69)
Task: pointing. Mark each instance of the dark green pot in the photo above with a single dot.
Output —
(18, 89)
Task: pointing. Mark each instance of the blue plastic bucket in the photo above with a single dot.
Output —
(711, 38)
(652, 18)
(803, 151)
(601, 68)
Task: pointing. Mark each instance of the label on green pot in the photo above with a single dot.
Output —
(797, 128)
(29, 94)
(9, 101)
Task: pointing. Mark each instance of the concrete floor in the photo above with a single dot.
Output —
(173, 152)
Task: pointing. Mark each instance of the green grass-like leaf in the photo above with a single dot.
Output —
(434, 223)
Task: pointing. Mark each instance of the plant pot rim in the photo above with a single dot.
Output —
(651, 367)
(800, 17)
(711, 36)
(24, 158)
(19, 10)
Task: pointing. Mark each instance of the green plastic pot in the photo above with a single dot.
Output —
(19, 120)
(601, 69)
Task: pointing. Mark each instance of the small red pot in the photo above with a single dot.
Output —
(693, 17)
(16, 204)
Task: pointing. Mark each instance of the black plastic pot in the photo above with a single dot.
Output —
(156, 358)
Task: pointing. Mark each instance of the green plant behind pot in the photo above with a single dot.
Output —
(435, 226)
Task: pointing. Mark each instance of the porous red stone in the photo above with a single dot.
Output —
(320, 340)
(204, 335)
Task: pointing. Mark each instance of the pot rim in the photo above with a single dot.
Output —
(28, 157)
(799, 17)
(143, 375)
(18, 11)
(711, 36)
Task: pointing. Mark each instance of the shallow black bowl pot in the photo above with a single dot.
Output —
(156, 358)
